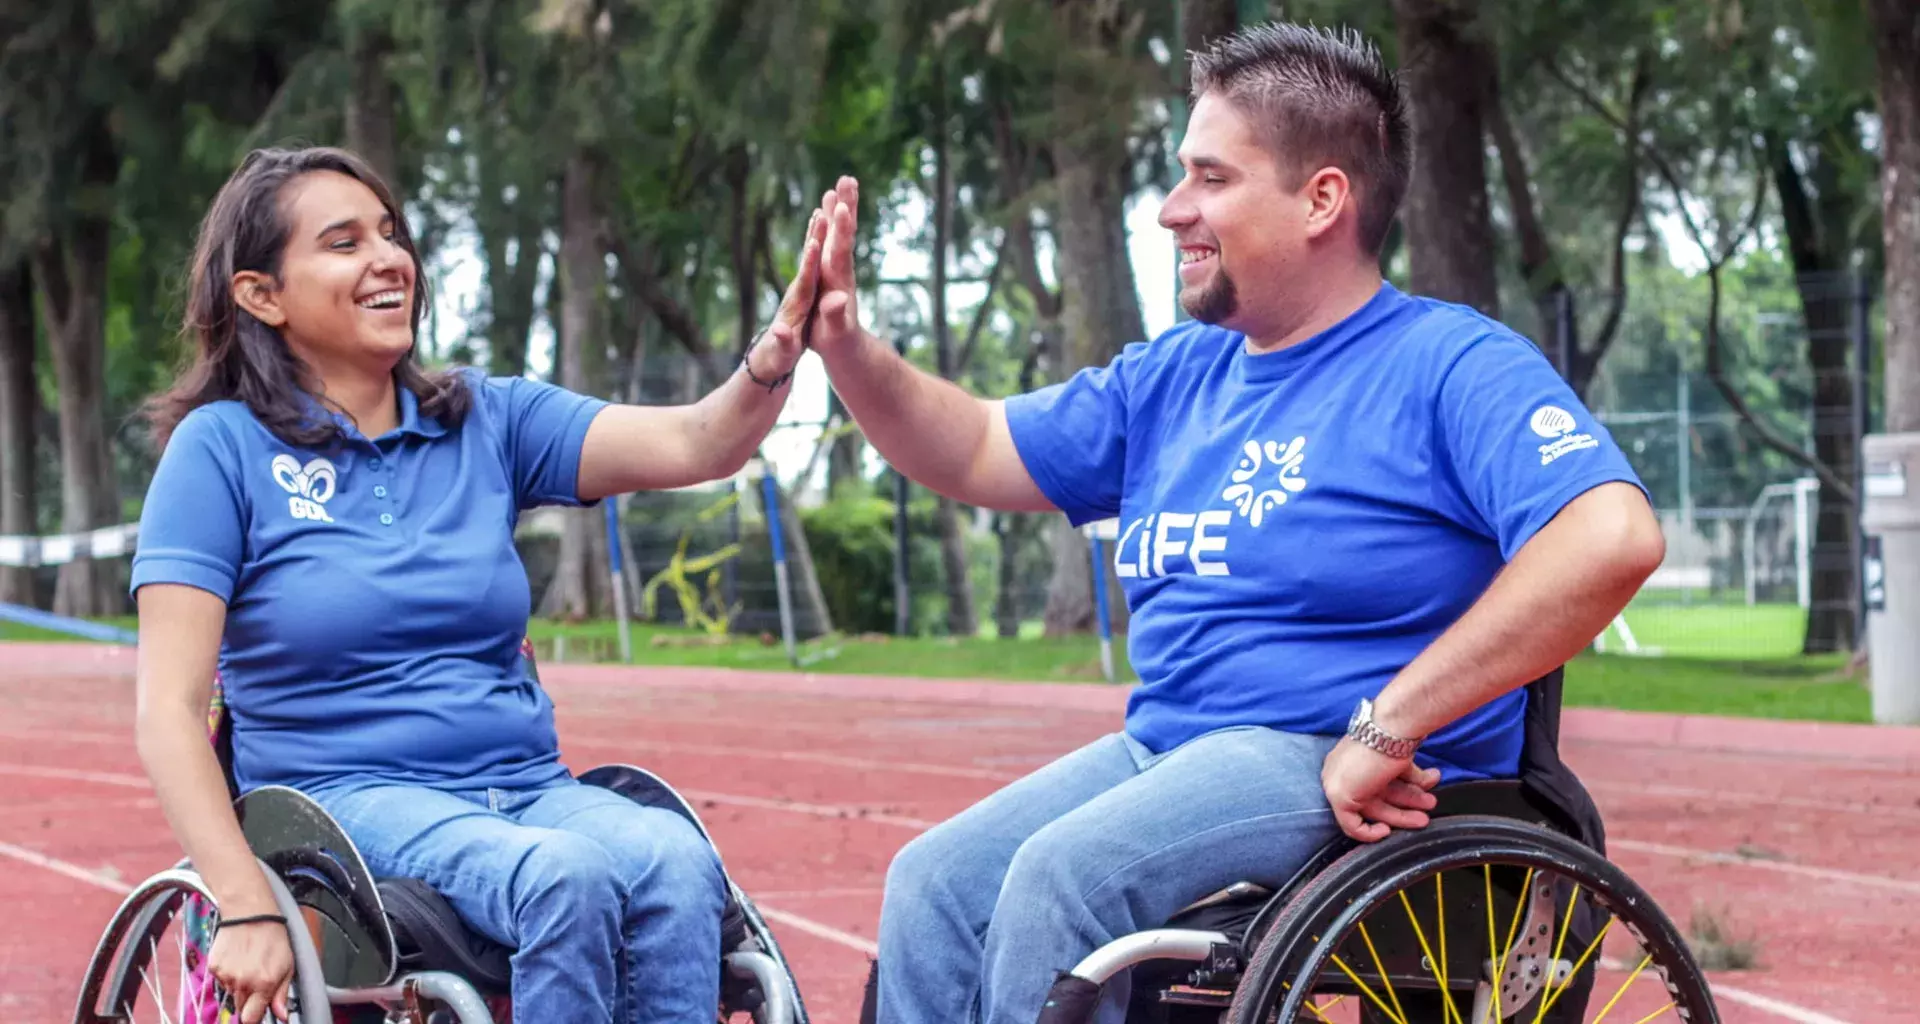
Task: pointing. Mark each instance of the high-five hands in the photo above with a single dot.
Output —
(836, 326)
(771, 363)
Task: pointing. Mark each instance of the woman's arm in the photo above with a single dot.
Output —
(180, 628)
(647, 448)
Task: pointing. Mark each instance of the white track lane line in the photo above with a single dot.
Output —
(1779, 1008)
(75, 775)
(824, 931)
(1829, 874)
(58, 866)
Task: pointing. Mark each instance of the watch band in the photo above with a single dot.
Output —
(1363, 731)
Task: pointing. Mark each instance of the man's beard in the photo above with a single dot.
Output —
(1216, 301)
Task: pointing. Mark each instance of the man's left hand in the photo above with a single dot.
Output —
(1373, 794)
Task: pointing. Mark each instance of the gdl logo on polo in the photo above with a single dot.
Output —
(311, 485)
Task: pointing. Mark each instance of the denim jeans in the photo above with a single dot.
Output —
(982, 911)
(614, 908)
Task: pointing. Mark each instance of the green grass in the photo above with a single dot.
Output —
(1031, 658)
(1715, 629)
(16, 631)
(1812, 688)
(1784, 687)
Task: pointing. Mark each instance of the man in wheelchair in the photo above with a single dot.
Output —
(1354, 524)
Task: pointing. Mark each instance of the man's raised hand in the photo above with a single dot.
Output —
(837, 324)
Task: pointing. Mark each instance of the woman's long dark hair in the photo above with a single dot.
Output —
(236, 356)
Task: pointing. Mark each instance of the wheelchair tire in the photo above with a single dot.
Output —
(149, 963)
(1286, 966)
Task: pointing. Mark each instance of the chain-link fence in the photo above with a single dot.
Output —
(1751, 470)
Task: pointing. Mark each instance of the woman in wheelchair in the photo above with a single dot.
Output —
(330, 528)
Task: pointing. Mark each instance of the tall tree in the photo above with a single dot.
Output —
(1820, 217)
(71, 268)
(961, 619)
(577, 591)
(1446, 59)
(1896, 33)
(19, 408)
(1549, 267)
(1095, 90)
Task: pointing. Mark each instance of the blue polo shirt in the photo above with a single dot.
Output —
(1296, 526)
(375, 600)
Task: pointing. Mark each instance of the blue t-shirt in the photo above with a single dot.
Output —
(1296, 526)
(376, 602)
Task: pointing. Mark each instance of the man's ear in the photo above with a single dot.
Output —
(258, 294)
(1328, 192)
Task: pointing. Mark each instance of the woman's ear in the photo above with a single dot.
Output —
(258, 294)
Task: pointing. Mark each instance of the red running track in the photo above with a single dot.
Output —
(1804, 837)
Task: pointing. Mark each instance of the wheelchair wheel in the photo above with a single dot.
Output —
(150, 962)
(1470, 920)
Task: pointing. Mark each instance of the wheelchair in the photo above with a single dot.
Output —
(1500, 910)
(369, 950)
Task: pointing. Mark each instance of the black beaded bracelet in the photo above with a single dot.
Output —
(255, 919)
(771, 386)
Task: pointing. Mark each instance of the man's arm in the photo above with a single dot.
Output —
(1560, 590)
(643, 448)
(928, 428)
(1557, 593)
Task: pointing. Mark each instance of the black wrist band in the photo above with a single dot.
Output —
(772, 385)
(226, 922)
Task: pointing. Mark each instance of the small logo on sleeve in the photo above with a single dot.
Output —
(311, 485)
(1557, 425)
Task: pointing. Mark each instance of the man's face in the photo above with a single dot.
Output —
(1241, 230)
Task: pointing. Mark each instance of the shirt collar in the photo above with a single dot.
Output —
(412, 422)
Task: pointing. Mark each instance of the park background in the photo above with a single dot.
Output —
(1681, 202)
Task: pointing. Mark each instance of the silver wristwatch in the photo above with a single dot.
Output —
(1362, 730)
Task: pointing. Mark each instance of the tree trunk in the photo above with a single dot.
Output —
(19, 407)
(1100, 301)
(370, 129)
(511, 280)
(961, 618)
(843, 458)
(1449, 230)
(73, 274)
(1202, 22)
(1896, 26)
(578, 591)
(1819, 243)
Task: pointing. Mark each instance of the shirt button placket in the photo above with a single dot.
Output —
(378, 464)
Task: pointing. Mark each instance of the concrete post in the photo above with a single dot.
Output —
(1890, 575)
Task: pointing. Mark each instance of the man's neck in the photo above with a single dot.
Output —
(1333, 298)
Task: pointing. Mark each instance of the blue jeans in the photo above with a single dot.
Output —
(613, 908)
(982, 911)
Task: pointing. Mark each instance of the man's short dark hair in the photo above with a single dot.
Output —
(1321, 98)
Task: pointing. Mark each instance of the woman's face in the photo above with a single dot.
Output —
(344, 301)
